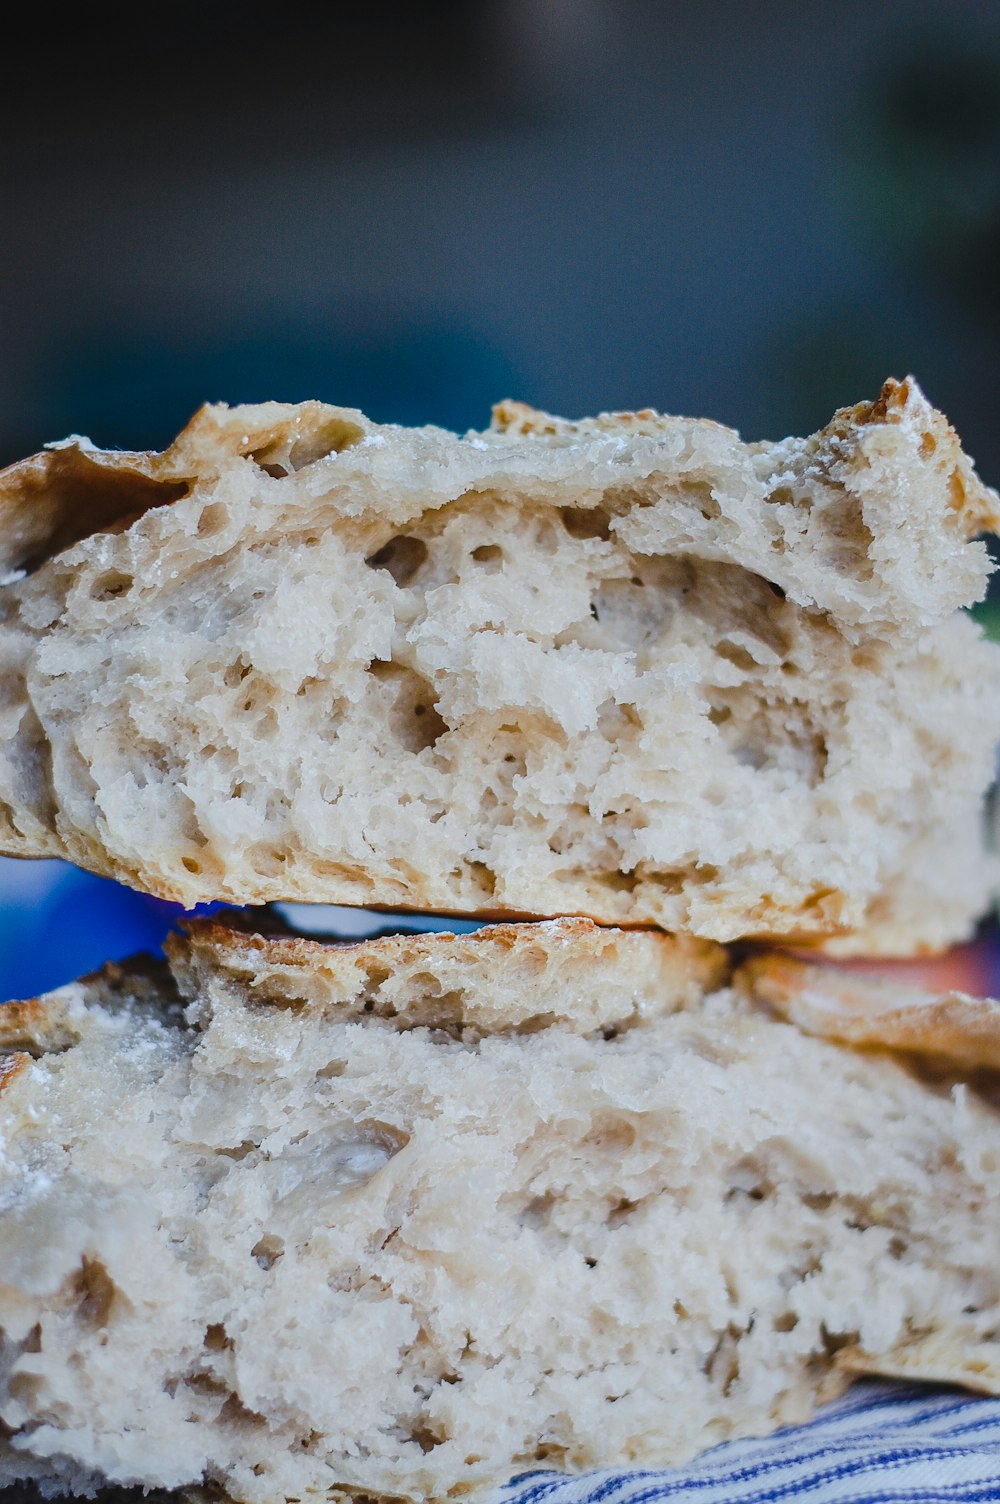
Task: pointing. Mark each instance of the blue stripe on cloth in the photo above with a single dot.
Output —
(882, 1443)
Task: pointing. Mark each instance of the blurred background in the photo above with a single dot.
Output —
(748, 212)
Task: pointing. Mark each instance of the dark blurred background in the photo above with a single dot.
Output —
(751, 212)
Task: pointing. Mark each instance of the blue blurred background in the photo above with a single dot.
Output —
(749, 212)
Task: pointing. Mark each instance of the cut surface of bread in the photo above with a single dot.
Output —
(631, 668)
(411, 1216)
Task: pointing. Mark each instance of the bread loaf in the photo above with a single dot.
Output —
(631, 668)
(410, 1216)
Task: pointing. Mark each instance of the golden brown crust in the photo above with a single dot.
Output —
(54, 499)
(11, 1066)
(72, 490)
(227, 936)
(940, 1358)
(37, 1024)
(519, 420)
(976, 507)
(21, 1022)
(495, 979)
(864, 1011)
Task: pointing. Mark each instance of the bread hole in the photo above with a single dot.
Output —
(833, 1342)
(722, 1365)
(285, 1001)
(484, 878)
(96, 1292)
(327, 1165)
(413, 721)
(611, 1134)
(488, 553)
(403, 557)
(216, 1338)
(206, 1383)
(307, 1443)
(536, 1214)
(213, 520)
(774, 735)
(536, 1024)
(110, 585)
(234, 1412)
(295, 445)
(620, 1212)
(426, 1438)
(782, 496)
(534, 960)
(241, 1151)
(430, 727)
(786, 1322)
(191, 864)
(699, 493)
(331, 1070)
(268, 1250)
(738, 656)
(575, 817)
(586, 522)
(928, 445)
(738, 1192)
(266, 860)
(749, 1180)
(629, 617)
(236, 673)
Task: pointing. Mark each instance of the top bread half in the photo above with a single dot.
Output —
(631, 668)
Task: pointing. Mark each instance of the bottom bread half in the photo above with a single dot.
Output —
(411, 1216)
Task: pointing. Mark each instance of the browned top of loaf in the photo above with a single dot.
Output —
(73, 489)
(864, 1011)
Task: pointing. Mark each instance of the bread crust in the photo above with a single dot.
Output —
(950, 1028)
(11, 1067)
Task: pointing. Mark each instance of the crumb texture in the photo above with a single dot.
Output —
(353, 1227)
(631, 668)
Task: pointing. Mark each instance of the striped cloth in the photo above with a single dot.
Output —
(882, 1443)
